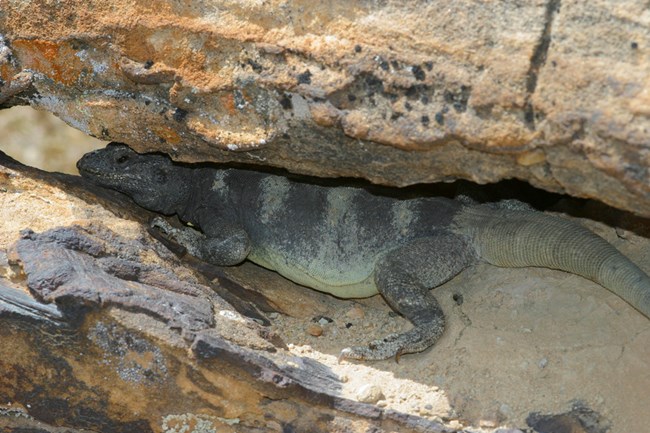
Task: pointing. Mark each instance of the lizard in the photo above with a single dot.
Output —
(352, 242)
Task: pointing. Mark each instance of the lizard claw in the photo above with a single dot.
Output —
(351, 353)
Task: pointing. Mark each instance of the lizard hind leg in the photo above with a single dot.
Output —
(404, 277)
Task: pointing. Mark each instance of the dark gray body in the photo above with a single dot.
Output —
(326, 238)
(352, 243)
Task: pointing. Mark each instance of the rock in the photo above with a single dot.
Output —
(355, 313)
(369, 393)
(394, 92)
(315, 330)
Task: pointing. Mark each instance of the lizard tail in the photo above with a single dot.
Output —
(511, 238)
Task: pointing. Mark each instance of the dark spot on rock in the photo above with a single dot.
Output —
(634, 45)
(351, 97)
(78, 44)
(288, 428)
(240, 100)
(394, 64)
(440, 118)
(148, 64)
(104, 132)
(418, 73)
(285, 102)
(580, 419)
(425, 120)
(408, 106)
(147, 102)
(393, 314)
(357, 48)
(418, 91)
(458, 298)
(348, 325)
(553, 63)
(428, 65)
(529, 115)
(277, 378)
(424, 99)
(383, 64)
(180, 114)
(373, 85)
(254, 65)
(48, 407)
(396, 115)
(458, 99)
(305, 77)
(412, 92)
(2, 82)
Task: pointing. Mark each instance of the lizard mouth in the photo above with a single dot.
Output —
(95, 175)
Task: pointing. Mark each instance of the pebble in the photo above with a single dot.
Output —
(322, 320)
(425, 410)
(369, 393)
(355, 313)
(506, 411)
(487, 423)
(315, 330)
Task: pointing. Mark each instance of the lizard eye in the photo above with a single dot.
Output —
(122, 159)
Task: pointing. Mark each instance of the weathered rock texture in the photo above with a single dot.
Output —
(555, 92)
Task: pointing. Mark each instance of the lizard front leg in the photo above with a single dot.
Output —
(404, 278)
(227, 246)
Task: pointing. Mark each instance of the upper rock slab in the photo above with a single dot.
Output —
(556, 93)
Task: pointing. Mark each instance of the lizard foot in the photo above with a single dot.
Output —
(230, 248)
(392, 345)
(187, 237)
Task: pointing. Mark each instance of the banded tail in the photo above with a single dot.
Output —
(511, 238)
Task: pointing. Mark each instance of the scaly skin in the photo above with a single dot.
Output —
(352, 243)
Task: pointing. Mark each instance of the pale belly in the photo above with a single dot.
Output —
(357, 282)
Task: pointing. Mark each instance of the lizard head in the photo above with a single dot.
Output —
(151, 180)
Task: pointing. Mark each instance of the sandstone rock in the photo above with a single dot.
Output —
(555, 93)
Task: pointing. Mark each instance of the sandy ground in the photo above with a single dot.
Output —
(518, 342)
